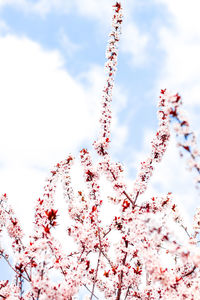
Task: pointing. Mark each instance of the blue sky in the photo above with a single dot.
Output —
(51, 74)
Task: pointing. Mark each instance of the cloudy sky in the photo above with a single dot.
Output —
(51, 77)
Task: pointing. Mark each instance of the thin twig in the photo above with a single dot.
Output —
(190, 272)
(90, 291)
(185, 228)
(98, 262)
(129, 198)
(19, 274)
(111, 264)
(127, 292)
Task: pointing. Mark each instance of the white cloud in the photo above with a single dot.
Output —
(45, 114)
(41, 102)
(101, 10)
(70, 47)
(180, 42)
(44, 7)
(184, 14)
(134, 43)
(90, 8)
(16, 3)
(3, 27)
(41, 7)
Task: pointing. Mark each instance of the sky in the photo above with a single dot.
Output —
(52, 55)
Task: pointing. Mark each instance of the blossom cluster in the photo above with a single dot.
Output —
(159, 145)
(138, 253)
(103, 141)
(187, 141)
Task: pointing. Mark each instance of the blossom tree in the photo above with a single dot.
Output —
(137, 254)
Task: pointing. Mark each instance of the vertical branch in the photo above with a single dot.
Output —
(12, 225)
(98, 262)
(187, 138)
(122, 274)
(102, 143)
(44, 209)
(66, 179)
(159, 146)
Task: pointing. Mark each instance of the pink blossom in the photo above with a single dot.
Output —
(138, 254)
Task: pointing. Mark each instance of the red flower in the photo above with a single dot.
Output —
(125, 205)
(14, 222)
(106, 274)
(90, 175)
(187, 148)
(137, 270)
(51, 216)
(33, 264)
(118, 7)
(114, 270)
(87, 264)
(46, 228)
(174, 207)
(163, 91)
(69, 159)
(40, 201)
(178, 97)
(94, 208)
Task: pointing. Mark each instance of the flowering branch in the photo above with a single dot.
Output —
(136, 254)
